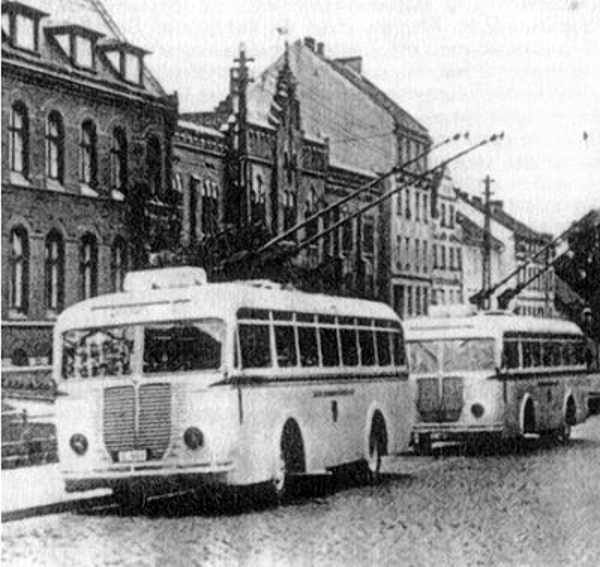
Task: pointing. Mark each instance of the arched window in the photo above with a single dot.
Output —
(154, 165)
(19, 139)
(89, 154)
(55, 254)
(259, 199)
(312, 227)
(88, 266)
(55, 147)
(210, 207)
(19, 272)
(118, 160)
(118, 263)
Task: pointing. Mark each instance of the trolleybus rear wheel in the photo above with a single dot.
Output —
(289, 461)
(377, 450)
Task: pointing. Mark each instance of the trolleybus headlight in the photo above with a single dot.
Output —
(477, 410)
(79, 443)
(193, 438)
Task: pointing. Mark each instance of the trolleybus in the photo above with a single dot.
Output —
(496, 373)
(177, 382)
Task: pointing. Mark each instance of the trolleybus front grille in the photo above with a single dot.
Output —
(137, 422)
(440, 406)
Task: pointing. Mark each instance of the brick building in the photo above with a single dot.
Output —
(86, 150)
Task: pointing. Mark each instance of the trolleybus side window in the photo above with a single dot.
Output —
(398, 343)
(382, 339)
(255, 345)
(307, 340)
(510, 354)
(285, 345)
(367, 345)
(330, 352)
(531, 353)
(348, 338)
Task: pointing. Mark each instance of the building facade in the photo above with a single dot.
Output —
(447, 247)
(86, 145)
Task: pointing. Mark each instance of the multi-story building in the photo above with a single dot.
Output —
(516, 246)
(306, 133)
(447, 247)
(86, 146)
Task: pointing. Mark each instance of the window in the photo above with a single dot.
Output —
(118, 160)
(26, 30)
(409, 301)
(84, 52)
(349, 346)
(443, 262)
(417, 206)
(255, 345)
(510, 354)
(55, 147)
(289, 211)
(407, 252)
(184, 346)
(369, 237)
(531, 353)
(309, 351)
(118, 264)
(55, 254)
(468, 354)
(425, 208)
(19, 139)
(408, 214)
(458, 259)
(329, 346)
(210, 206)
(425, 256)
(312, 228)
(133, 68)
(258, 200)
(19, 273)
(367, 347)
(194, 185)
(417, 255)
(285, 345)
(347, 234)
(88, 266)
(399, 351)
(384, 355)
(435, 256)
(451, 215)
(89, 156)
(451, 259)
(443, 215)
(154, 165)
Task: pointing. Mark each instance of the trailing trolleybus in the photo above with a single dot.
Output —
(179, 382)
(495, 373)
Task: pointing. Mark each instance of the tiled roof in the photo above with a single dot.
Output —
(473, 233)
(501, 216)
(90, 14)
(360, 131)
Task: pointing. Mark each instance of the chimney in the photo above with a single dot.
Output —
(496, 205)
(354, 63)
(310, 43)
(321, 49)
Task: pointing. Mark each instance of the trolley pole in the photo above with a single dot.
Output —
(486, 272)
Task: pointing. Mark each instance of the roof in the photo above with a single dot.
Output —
(473, 233)
(501, 216)
(359, 130)
(490, 323)
(93, 16)
(220, 300)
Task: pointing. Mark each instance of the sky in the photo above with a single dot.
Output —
(529, 68)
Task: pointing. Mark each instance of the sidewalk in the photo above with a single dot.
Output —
(29, 491)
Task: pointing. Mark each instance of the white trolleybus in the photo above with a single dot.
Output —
(179, 382)
(495, 373)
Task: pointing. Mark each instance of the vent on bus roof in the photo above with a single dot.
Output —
(164, 278)
(267, 284)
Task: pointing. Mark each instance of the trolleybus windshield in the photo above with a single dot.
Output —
(451, 355)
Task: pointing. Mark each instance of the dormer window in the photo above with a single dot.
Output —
(126, 60)
(21, 25)
(78, 44)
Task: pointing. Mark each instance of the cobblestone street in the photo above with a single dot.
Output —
(536, 508)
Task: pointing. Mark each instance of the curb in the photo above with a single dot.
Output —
(56, 508)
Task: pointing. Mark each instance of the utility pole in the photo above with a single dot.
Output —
(486, 272)
(242, 125)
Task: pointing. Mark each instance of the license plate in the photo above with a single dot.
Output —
(132, 456)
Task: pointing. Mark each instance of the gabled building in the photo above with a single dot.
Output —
(307, 132)
(86, 165)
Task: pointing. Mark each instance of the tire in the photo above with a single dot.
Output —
(423, 444)
(377, 450)
(289, 461)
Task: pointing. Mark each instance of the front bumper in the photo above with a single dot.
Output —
(156, 477)
(457, 428)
